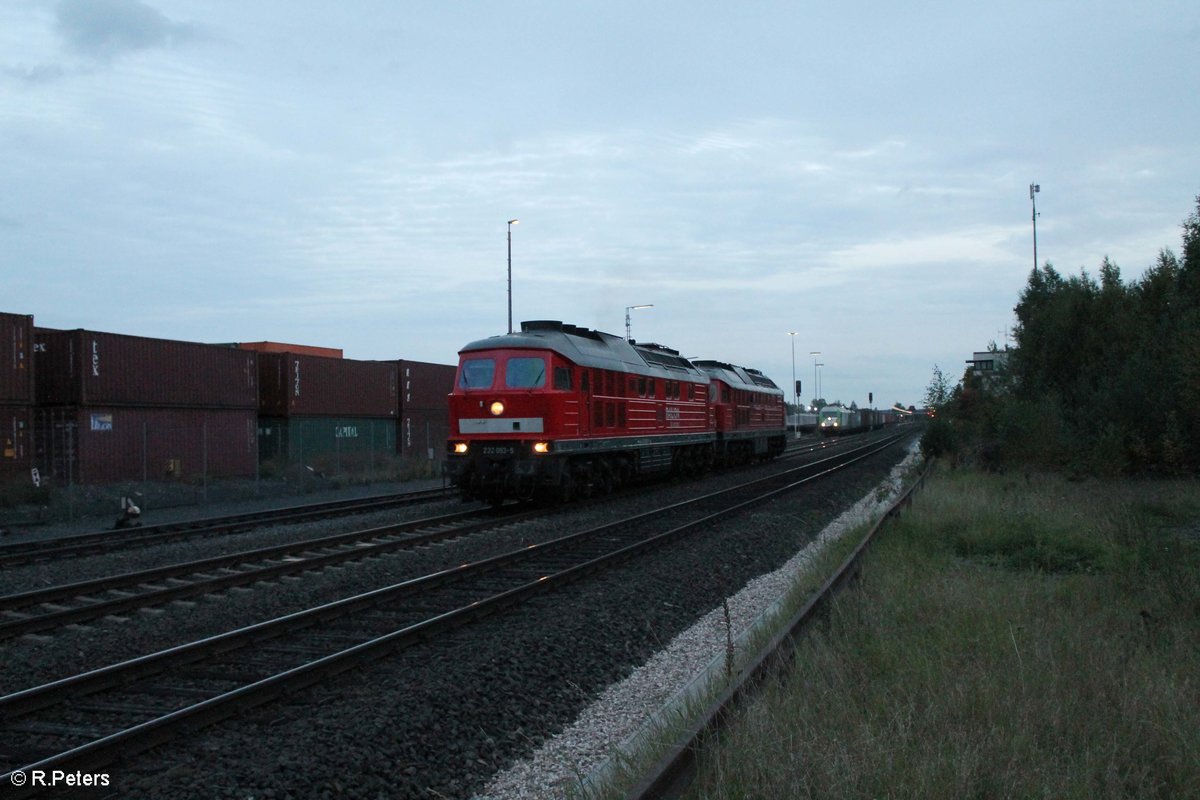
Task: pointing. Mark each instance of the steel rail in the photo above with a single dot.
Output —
(353, 546)
(107, 540)
(23, 622)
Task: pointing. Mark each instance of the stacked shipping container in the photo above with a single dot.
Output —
(113, 407)
(16, 397)
(424, 411)
(83, 406)
(326, 413)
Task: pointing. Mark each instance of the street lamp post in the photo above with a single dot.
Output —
(816, 388)
(819, 395)
(628, 331)
(1034, 188)
(511, 222)
(795, 394)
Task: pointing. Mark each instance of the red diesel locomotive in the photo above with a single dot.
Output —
(750, 416)
(556, 411)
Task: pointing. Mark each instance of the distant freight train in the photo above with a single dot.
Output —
(837, 420)
(556, 411)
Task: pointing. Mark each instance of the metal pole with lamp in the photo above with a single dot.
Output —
(815, 387)
(1034, 188)
(628, 331)
(511, 222)
(795, 394)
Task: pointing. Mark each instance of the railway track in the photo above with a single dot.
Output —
(86, 721)
(52, 607)
(106, 541)
(47, 608)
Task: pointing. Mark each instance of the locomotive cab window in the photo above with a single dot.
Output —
(477, 373)
(525, 373)
(562, 378)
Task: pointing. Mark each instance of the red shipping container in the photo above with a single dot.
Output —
(422, 435)
(85, 368)
(16, 358)
(105, 444)
(294, 384)
(282, 347)
(16, 443)
(425, 386)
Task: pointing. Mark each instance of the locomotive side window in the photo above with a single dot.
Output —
(525, 373)
(477, 373)
(562, 378)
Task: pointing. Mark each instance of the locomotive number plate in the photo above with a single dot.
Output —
(497, 450)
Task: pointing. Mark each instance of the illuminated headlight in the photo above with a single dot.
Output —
(497, 408)
(460, 448)
(541, 447)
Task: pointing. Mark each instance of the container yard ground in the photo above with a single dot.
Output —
(93, 508)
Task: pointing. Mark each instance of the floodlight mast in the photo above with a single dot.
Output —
(628, 330)
(511, 222)
(1034, 189)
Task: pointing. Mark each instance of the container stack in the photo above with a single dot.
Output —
(424, 410)
(16, 399)
(112, 407)
(326, 414)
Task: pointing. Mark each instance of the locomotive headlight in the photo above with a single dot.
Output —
(541, 447)
(497, 408)
(460, 448)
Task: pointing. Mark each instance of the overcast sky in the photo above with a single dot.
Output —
(341, 174)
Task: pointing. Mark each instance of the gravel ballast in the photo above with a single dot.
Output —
(441, 720)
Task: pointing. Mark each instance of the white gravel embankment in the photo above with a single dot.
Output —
(586, 752)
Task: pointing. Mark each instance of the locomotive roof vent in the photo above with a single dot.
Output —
(653, 346)
(541, 325)
(534, 325)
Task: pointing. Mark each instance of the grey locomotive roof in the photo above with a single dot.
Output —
(594, 349)
(737, 376)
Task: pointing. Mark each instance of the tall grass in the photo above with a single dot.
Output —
(1009, 638)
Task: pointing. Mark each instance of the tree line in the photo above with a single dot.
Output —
(1104, 379)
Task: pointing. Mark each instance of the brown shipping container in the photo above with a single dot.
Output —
(424, 386)
(86, 368)
(422, 435)
(16, 358)
(293, 384)
(283, 347)
(16, 443)
(107, 444)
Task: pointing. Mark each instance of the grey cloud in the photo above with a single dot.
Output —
(42, 73)
(108, 28)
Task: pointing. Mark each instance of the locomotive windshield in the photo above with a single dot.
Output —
(525, 373)
(477, 373)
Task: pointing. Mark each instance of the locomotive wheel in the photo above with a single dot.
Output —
(566, 487)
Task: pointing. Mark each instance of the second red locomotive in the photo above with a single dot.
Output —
(556, 411)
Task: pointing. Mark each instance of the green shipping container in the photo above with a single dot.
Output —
(326, 444)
